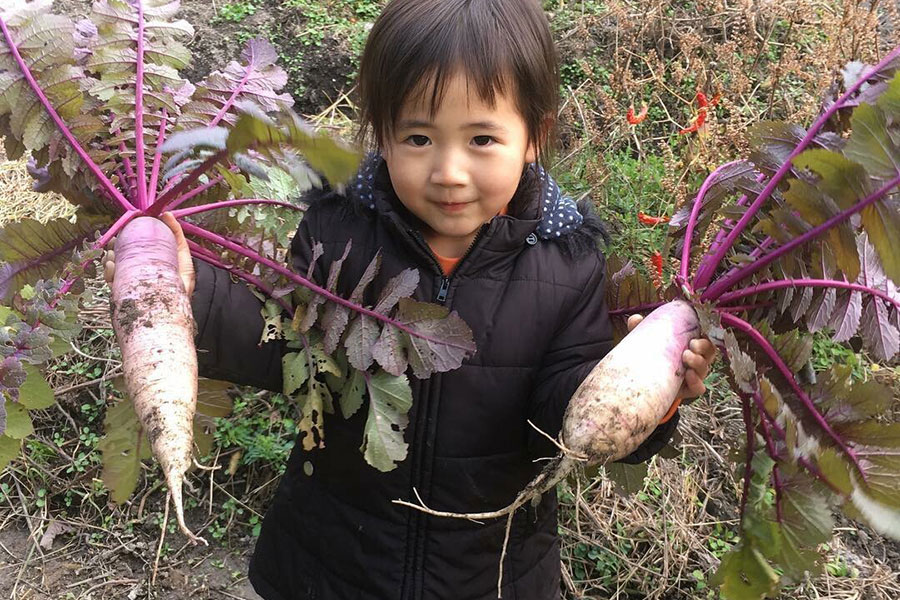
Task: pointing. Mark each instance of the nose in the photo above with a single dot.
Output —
(449, 170)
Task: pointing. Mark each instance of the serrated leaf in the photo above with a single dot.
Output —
(323, 362)
(843, 180)
(295, 369)
(18, 421)
(806, 522)
(883, 519)
(123, 446)
(821, 310)
(390, 399)
(443, 341)
(334, 323)
(881, 222)
(32, 250)
(361, 336)
(35, 393)
(870, 144)
(879, 334)
(389, 351)
(399, 286)
(846, 316)
(367, 277)
(353, 393)
(742, 366)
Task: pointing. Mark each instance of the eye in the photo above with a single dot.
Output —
(418, 140)
(483, 140)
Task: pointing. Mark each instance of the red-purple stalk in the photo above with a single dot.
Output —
(157, 158)
(185, 212)
(805, 283)
(139, 111)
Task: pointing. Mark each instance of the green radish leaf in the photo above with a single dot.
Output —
(9, 449)
(881, 221)
(295, 367)
(353, 393)
(123, 447)
(870, 144)
(35, 393)
(843, 180)
(390, 399)
(18, 421)
(744, 574)
(806, 522)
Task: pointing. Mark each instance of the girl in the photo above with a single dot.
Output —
(460, 98)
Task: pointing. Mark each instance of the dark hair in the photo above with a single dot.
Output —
(503, 46)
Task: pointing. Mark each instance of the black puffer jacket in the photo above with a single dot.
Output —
(537, 310)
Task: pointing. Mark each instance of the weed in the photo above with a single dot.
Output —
(235, 12)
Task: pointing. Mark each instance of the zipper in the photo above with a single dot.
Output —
(444, 289)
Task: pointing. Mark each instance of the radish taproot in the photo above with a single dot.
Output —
(154, 325)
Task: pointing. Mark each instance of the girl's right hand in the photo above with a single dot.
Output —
(185, 263)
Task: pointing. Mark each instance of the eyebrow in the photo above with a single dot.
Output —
(420, 124)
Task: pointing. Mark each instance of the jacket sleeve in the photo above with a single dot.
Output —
(230, 323)
(577, 346)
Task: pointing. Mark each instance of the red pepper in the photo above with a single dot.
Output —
(701, 99)
(648, 220)
(697, 124)
(635, 119)
(657, 262)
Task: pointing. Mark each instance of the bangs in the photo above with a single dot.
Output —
(417, 46)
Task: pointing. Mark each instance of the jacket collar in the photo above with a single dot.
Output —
(538, 207)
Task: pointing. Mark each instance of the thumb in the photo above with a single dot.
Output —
(185, 263)
(633, 321)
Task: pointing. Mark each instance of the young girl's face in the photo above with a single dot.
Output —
(458, 168)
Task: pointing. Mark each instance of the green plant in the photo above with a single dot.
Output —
(235, 12)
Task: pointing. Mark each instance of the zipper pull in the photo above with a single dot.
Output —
(445, 287)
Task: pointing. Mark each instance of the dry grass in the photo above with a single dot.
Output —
(18, 201)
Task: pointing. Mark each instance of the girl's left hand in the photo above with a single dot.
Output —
(697, 358)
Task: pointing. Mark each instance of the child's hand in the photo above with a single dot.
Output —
(185, 264)
(697, 358)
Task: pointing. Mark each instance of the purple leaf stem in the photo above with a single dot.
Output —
(185, 212)
(801, 283)
(636, 309)
(692, 221)
(104, 181)
(776, 178)
(221, 241)
(196, 192)
(157, 159)
(716, 290)
(165, 199)
(210, 257)
(115, 228)
(744, 307)
(704, 272)
(751, 449)
(129, 168)
(234, 95)
(141, 180)
(766, 347)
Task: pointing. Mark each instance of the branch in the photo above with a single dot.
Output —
(779, 364)
(777, 177)
(294, 277)
(185, 212)
(716, 290)
(104, 181)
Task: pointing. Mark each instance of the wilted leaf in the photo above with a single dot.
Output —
(295, 369)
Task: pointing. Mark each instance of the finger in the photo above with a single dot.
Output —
(693, 385)
(633, 321)
(170, 220)
(704, 347)
(695, 362)
(109, 271)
